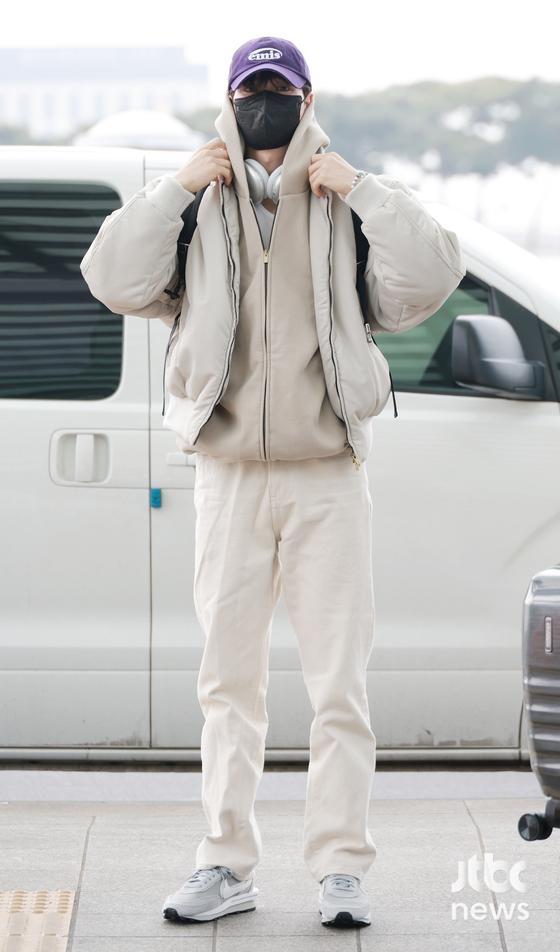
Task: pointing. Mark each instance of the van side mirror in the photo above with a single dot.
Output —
(487, 356)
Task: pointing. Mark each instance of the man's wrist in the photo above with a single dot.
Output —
(359, 174)
(185, 184)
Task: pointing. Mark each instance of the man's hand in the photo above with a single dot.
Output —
(210, 161)
(330, 170)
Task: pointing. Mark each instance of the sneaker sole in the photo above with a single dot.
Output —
(344, 920)
(232, 905)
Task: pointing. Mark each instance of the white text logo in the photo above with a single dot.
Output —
(495, 875)
(265, 53)
(469, 874)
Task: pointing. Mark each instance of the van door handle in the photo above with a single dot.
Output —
(180, 459)
(84, 458)
(113, 458)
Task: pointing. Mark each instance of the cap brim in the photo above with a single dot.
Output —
(294, 78)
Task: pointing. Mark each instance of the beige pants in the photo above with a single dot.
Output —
(305, 525)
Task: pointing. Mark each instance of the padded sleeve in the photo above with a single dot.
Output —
(413, 264)
(133, 257)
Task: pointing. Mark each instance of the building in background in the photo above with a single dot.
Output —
(141, 129)
(54, 92)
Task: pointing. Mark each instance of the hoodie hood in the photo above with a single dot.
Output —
(307, 139)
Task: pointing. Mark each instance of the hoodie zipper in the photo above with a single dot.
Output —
(234, 323)
(265, 251)
(355, 459)
(170, 339)
(266, 256)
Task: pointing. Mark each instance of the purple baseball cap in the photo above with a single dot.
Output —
(268, 52)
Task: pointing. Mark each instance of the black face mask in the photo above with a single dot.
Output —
(267, 119)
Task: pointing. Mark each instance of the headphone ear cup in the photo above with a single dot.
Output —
(273, 184)
(257, 179)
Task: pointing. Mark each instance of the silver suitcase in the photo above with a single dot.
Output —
(541, 695)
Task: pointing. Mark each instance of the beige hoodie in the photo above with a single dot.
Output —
(276, 403)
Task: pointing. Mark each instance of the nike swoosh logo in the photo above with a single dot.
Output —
(228, 890)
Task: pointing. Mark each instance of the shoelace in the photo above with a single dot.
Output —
(343, 882)
(205, 874)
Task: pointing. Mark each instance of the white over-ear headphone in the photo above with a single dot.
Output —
(262, 185)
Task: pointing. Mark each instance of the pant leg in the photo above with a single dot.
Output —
(236, 587)
(324, 515)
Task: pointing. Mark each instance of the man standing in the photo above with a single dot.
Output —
(274, 381)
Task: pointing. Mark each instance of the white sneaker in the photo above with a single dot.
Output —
(342, 902)
(210, 892)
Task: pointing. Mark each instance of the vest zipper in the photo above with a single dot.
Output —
(234, 323)
(355, 459)
(170, 338)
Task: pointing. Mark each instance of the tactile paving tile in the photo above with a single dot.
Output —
(35, 921)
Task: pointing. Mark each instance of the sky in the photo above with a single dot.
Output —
(350, 47)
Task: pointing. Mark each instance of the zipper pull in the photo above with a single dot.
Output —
(355, 459)
(368, 333)
(265, 255)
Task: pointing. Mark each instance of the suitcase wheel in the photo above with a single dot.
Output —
(534, 826)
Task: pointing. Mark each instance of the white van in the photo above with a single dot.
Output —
(99, 642)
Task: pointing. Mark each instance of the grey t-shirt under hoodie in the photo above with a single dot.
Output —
(265, 222)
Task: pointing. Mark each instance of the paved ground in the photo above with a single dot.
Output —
(120, 841)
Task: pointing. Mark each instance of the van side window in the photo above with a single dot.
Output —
(420, 358)
(534, 335)
(56, 341)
